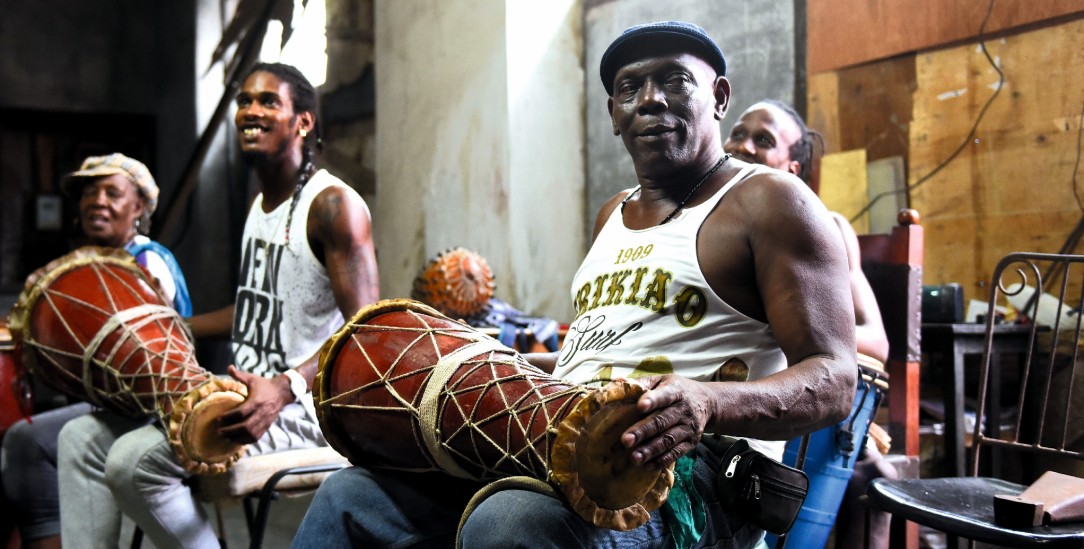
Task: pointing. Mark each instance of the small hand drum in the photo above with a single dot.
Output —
(403, 387)
(94, 326)
(16, 400)
(457, 282)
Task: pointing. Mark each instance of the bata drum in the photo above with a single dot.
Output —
(403, 387)
(93, 326)
(830, 458)
(15, 397)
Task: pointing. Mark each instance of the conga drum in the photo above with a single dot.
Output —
(403, 387)
(94, 326)
(15, 397)
(831, 456)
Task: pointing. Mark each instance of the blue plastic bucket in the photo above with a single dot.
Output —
(829, 464)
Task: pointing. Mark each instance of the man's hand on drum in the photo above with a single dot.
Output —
(246, 423)
(678, 411)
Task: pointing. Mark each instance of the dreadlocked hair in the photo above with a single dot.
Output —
(804, 150)
(303, 95)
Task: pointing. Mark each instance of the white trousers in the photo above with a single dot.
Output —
(109, 464)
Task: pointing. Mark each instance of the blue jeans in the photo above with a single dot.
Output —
(360, 507)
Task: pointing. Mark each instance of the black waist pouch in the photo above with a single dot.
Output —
(759, 489)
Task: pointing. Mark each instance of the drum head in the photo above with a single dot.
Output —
(193, 426)
(595, 470)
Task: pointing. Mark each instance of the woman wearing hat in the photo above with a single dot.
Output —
(116, 196)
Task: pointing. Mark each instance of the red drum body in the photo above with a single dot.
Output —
(403, 387)
(15, 399)
(94, 327)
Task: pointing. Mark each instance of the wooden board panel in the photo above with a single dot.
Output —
(1010, 188)
(844, 187)
(867, 107)
(875, 107)
(850, 32)
(965, 250)
(822, 107)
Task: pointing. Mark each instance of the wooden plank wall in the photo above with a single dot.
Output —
(865, 107)
(849, 32)
(1012, 188)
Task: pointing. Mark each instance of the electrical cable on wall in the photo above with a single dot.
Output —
(1076, 164)
(970, 133)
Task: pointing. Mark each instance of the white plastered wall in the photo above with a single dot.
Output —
(480, 143)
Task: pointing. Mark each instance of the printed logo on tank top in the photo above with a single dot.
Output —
(257, 318)
(644, 286)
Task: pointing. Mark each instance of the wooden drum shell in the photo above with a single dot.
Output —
(93, 326)
(403, 387)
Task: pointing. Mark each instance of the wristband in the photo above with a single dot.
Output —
(298, 385)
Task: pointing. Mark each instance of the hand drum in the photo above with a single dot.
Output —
(93, 326)
(403, 387)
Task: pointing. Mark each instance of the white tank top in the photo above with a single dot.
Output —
(644, 307)
(284, 310)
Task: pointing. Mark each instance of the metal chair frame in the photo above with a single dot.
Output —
(257, 504)
(964, 506)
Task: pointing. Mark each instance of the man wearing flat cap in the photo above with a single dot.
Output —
(717, 285)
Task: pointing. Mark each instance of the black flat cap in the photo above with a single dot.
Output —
(640, 40)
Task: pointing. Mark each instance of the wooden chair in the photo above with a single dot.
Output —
(893, 265)
(1045, 425)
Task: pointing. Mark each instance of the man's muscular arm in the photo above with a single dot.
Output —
(800, 272)
(869, 330)
(340, 229)
(340, 233)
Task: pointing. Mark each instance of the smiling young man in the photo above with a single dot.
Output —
(307, 262)
(734, 262)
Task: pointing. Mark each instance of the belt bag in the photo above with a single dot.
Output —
(759, 489)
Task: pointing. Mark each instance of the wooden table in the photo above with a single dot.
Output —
(951, 343)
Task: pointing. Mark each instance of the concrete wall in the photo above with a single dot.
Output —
(490, 134)
(757, 39)
(547, 154)
(478, 143)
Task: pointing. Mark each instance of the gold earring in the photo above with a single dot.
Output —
(303, 132)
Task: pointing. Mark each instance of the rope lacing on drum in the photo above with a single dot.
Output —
(439, 398)
(161, 359)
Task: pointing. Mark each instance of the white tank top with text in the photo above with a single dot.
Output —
(284, 309)
(644, 308)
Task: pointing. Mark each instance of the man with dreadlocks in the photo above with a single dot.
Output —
(307, 262)
(772, 133)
